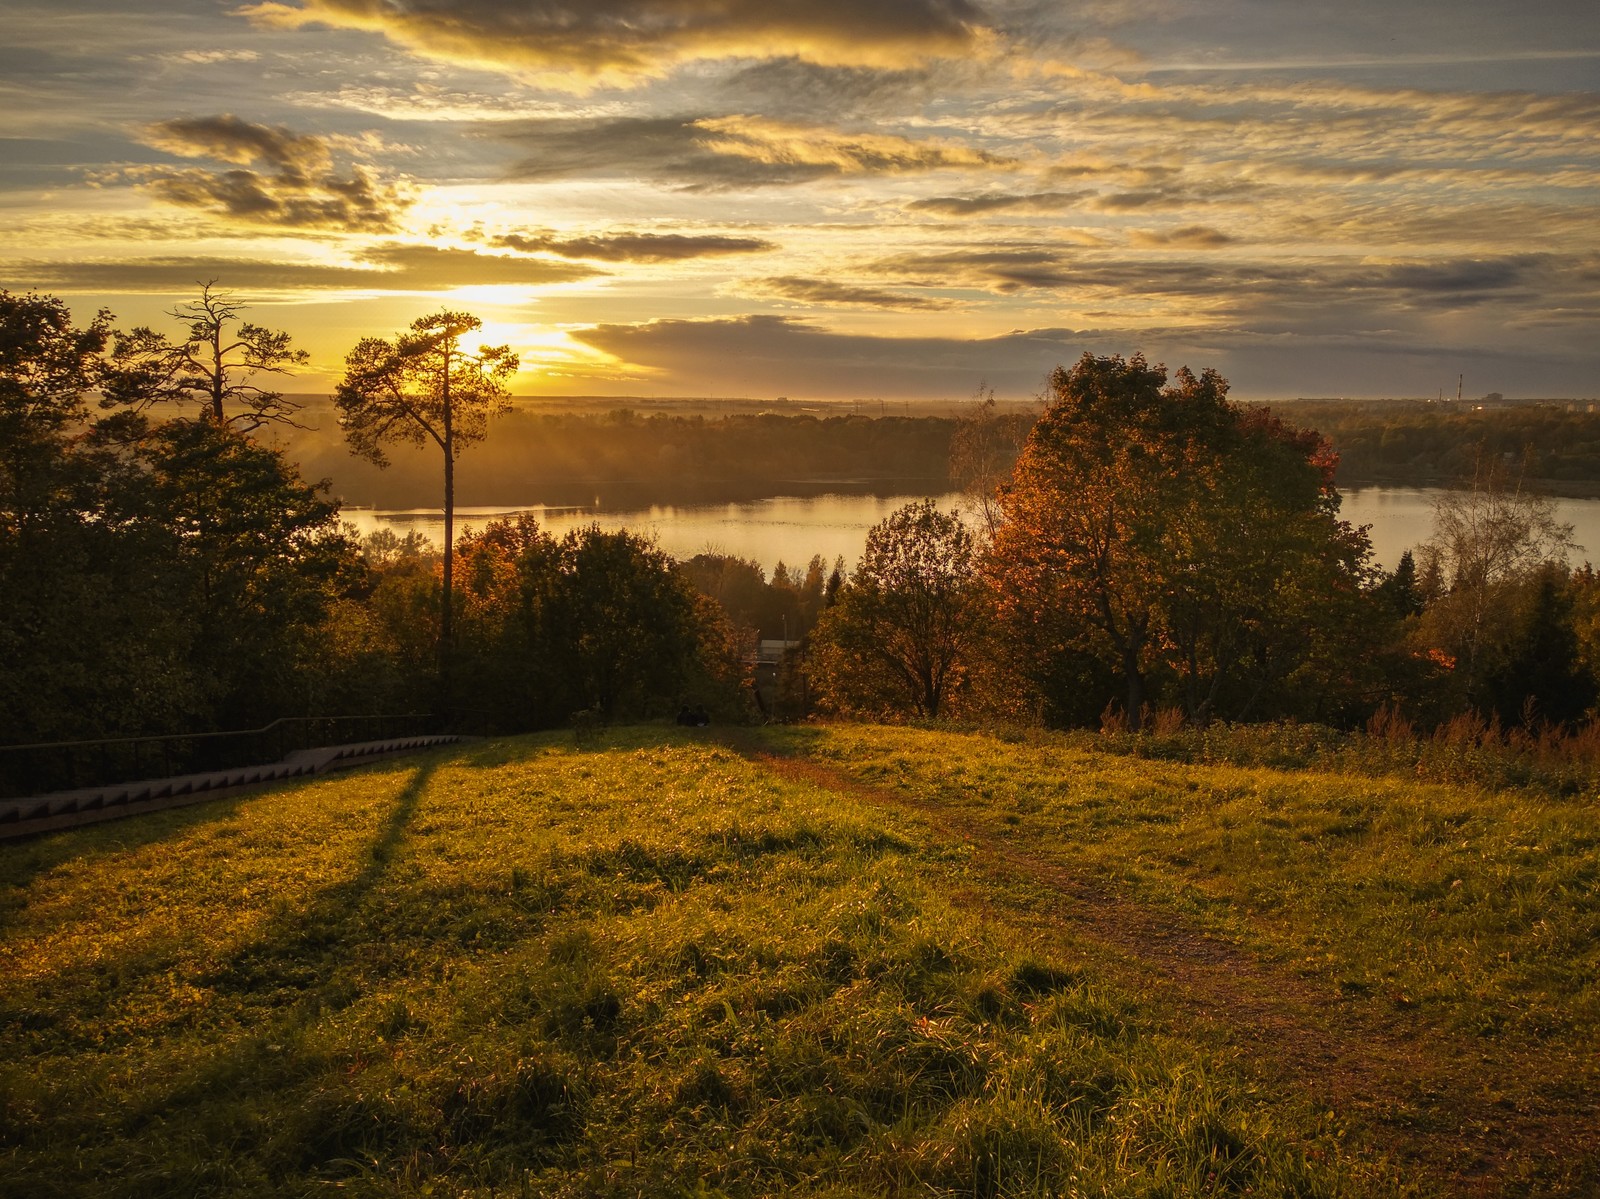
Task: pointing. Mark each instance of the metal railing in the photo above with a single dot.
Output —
(46, 766)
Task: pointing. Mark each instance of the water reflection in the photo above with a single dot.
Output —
(789, 529)
(793, 528)
(1401, 518)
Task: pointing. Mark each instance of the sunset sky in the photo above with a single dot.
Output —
(834, 198)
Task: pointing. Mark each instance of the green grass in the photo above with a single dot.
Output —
(1480, 908)
(655, 967)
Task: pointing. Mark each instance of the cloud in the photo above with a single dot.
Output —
(839, 151)
(1140, 201)
(226, 138)
(777, 355)
(574, 43)
(803, 90)
(394, 267)
(356, 204)
(718, 153)
(987, 202)
(632, 247)
(998, 270)
(1189, 237)
(300, 187)
(210, 57)
(668, 149)
(830, 292)
(432, 266)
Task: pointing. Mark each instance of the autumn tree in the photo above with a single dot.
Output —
(897, 635)
(1156, 531)
(214, 364)
(425, 386)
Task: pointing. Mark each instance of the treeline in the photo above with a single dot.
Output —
(1147, 554)
(1420, 444)
(654, 458)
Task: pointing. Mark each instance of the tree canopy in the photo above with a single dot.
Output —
(1155, 530)
(897, 636)
(212, 364)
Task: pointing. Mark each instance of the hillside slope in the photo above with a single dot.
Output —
(818, 961)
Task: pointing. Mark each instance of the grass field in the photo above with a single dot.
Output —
(818, 961)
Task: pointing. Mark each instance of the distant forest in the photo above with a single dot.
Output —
(1423, 444)
(631, 457)
(641, 459)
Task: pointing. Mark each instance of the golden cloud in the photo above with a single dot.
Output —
(836, 151)
(577, 43)
(630, 246)
(832, 293)
(299, 186)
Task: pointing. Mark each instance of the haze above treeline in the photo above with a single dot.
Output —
(619, 452)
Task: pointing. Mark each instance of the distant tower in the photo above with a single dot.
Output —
(1460, 379)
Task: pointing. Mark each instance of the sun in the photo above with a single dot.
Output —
(543, 350)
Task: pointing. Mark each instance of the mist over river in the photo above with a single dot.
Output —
(791, 529)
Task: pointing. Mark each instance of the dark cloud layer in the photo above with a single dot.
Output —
(777, 355)
(669, 149)
(1188, 237)
(998, 270)
(985, 203)
(396, 267)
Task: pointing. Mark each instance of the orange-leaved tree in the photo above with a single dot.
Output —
(1156, 533)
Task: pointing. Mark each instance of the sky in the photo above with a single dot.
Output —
(833, 199)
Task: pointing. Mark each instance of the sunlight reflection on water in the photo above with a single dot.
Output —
(785, 528)
(793, 528)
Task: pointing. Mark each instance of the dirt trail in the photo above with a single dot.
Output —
(1469, 1118)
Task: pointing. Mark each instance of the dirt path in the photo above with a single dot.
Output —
(1469, 1118)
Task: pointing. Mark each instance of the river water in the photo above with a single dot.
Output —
(791, 528)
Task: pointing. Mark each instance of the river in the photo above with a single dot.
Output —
(792, 528)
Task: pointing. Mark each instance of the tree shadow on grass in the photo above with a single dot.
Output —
(312, 936)
(289, 973)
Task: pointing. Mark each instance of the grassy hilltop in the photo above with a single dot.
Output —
(819, 961)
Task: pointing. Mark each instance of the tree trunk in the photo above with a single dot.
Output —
(446, 624)
(217, 413)
(1130, 667)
